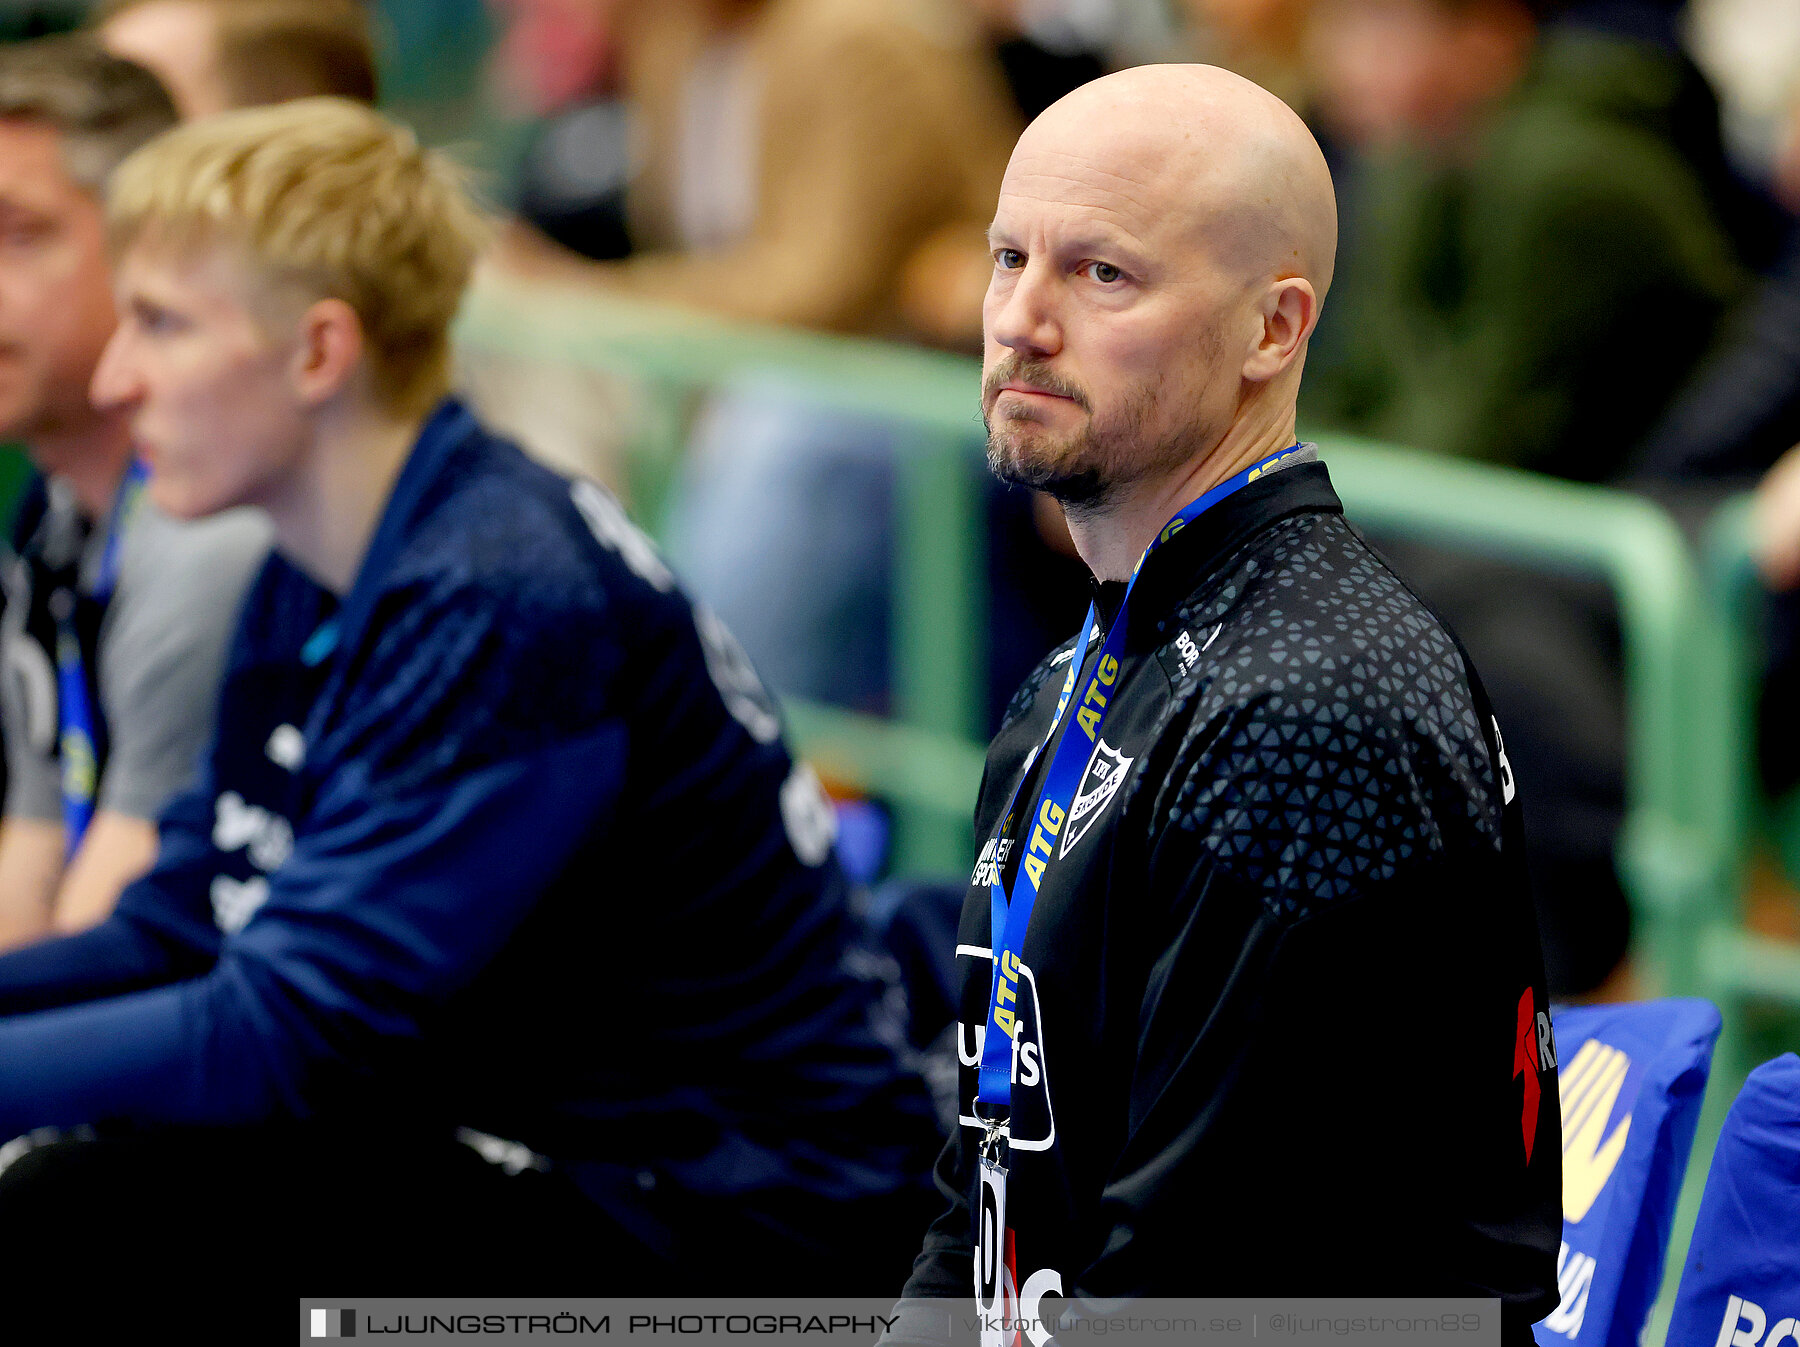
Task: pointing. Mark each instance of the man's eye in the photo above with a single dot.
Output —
(1105, 272)
(154, 320)
(1008, 259)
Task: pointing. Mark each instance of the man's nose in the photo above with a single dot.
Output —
(1025, 318)
(115, 383)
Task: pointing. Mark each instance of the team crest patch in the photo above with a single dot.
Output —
(1105, 774)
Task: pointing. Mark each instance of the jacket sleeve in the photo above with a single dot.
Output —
(160, 931)
(406, 876)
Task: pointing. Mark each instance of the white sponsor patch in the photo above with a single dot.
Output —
(513, 1156)
(1746, 1324)
(991, 864)
(238, 824)
(810, 820)
(1030, 1064)
(235, 901)
(1507, 788)
(735, 677)
(1187, 652)
(286, 747)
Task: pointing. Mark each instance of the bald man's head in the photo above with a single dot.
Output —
(1231, 160)
(1162, 242)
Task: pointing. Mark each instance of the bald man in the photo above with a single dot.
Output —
(1252, 998)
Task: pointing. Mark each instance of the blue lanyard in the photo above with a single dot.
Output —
(75, 711)
(1010, 914)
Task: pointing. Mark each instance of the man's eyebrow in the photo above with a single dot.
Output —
(1106, 244)
(1117, 249)
(1086, 245)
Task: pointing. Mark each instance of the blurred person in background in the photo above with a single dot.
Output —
(1538, 259)
(556, 63)
(1045, 49)
(1741, 410)
(116, 616)
(217, 54)
(496, 830)
(1538, 263)
(783, 138)
(1262, 40)
(1725, 429)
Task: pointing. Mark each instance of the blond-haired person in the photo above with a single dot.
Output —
(496, 832)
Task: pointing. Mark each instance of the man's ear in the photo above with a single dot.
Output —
(330, 350)
(1289, 310)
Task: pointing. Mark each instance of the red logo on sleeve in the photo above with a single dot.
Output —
(1528, 1055)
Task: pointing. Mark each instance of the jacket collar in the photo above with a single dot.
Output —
(445, 430)
(1177, 568)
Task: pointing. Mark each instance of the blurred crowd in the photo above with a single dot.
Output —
(1569, 245)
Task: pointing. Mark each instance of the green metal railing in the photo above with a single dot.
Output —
(1736, 962)
(1740, 599)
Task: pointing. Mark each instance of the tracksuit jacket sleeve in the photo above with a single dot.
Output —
(113, 957)
(161, 930)
(433, 824)
(385, 908)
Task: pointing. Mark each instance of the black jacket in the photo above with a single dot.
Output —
(1281, 1026)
